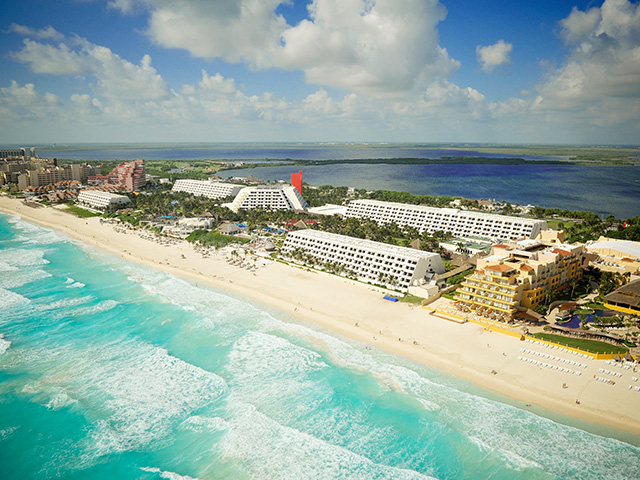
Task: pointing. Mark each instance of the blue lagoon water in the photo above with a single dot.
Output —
(261, 151)
(113, 370)
(612, 189)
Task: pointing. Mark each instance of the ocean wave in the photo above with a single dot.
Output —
(23, 257)
(102, 306)
(76, 285)
(199, 423)
(135, 393)
(4, 344)
(9, 299)
(269, 450)
(35, 234)
(22, 277)
(166, 474)
(7, 432)
(60, 400)
(5, 267)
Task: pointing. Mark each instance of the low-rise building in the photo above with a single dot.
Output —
(102, 200)
(329, 209)
(625, 299)
(185, 226)
(518, 276)
(206, 188)
(615, 255)
(269, 197)
(460, 223)
(365, 260)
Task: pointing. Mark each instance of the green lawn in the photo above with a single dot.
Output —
(595, 305)
(592, 346)
(408, 298)
(81, 212)
(554, 224)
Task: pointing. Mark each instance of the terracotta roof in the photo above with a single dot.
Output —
(500, 245)
(526, 267)
(499, 268)
(562, 253)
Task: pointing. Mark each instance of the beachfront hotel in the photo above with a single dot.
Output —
(456, 222)
(102, 200)
(518, 276)
(207, 188)
(372, 262)
(269, 197)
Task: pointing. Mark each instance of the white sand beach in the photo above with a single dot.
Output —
(359, 312)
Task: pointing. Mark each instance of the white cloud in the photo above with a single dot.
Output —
(216, 84)
(116, 77)
(492, 56)
(47, 33)
(46, 58)
(377, 47)
(22, 103)
(394, 90)
(604, 65)
(579, 24)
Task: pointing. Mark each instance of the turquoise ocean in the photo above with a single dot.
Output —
(111, 370)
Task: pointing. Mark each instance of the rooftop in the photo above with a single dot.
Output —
(362, 243)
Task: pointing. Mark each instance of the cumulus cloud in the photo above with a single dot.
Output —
(53, 59)
(377, 47)
(116, 76)
(46, 33)
(22, 102)
(605, 62)
(492, 56)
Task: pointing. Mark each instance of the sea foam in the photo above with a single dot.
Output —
(4, 344)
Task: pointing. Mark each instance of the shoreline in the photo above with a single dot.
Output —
(357, 311)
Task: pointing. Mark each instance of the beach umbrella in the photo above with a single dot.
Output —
(617, 358)
(628, 357)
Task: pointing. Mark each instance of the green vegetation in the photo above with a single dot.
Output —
(560, 224)
(324, 194)
(213, 238)
(449, 295)
(456, 279)
(592, 346)
(408, 298)
(595, 305)
(80, 212)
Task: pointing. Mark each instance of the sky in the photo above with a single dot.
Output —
(477, 71)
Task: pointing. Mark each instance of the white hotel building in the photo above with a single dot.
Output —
(373, 262)
(209, 189)
(101, 200)
(268, 197)
(457, 222)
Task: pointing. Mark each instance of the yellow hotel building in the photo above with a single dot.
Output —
(517, 276)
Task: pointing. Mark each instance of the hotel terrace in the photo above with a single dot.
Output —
(457, 222)
(102, 200)
(207, 188)
(373, 262)
(517, 277)
(269, 197)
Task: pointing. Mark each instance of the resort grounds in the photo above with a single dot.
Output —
(531, 373)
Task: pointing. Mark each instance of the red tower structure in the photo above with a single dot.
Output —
(296, 181)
